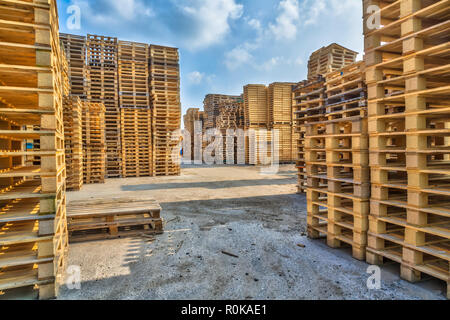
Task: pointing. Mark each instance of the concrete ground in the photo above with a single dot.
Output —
(257, 217)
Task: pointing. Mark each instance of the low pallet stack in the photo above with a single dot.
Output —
(337, 159)
(73, 141)
(102, 87)
(135, 113)
(164, 84)
(75, 50)
(33, 225)
(329, 59)
(408, 92)
(280, 118)
(94, 146)
(258, 139)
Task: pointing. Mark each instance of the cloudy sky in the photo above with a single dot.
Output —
(225, 44)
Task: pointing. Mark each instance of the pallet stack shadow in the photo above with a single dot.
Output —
(194, 121)
(102, 87)
(33, 225)
(280, 118)
(230, 124)
(408, 93)
(135, 113)
(94, 146)
(337, 161)
(258, 144)
(73, 141)
(164, 84)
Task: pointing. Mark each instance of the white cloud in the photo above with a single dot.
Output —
(316, 9)
(196, 77)
(287, 21)
(211, 19)
(255, 24)
(270, 64)
(237, 57)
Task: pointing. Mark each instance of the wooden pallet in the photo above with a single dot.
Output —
(33, 228)
(211, 107)
(109, 219)
(328, 59)
(255, 105)
(75, 50)
(408, 94)
(73, 141)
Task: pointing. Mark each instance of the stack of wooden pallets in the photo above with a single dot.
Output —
(33, 225)
(258, 139)
(211, 106)
(102, 87)
(135, 113)
(407, 61)
(123, 217)
(280, 118)
(194, 120)
(229, 122)
(309, 101)
(75, 49)
(328, 59)
(164, 84)
(94, 148)
(337, 160)
(73, 141)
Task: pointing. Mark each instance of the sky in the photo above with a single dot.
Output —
(224, 44)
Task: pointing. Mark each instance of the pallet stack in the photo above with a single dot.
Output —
(75, 50)
(329, 59)
(337, 159)
(259, 139)
(280, 117)
(230, 119)
(211, 106)
(164, 84)
(102, 87)
(73, 141)
(135, 113)
(94, 146)
(33, 225)
(408, 92)
(193, 116)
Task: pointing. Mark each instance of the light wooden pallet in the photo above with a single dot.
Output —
(408, 93)
(75, 49)
(255, 105)
(108, 219)
(211, 106)
(328, 59)
(33, 225)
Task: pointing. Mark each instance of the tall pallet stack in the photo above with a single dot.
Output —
(164, 84)
(337, 159)
(33, 225)
(329, 59)
(280, 117)
(75, 50)
(94, 142)
(308, 101)
(259, 139)
(135, 113)
(102, 87)
(408, 92)
(73, 141)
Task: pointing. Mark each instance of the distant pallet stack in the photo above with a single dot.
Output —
(73, 141)
(102, 87)
(259, 139)
(229, 121)
(408, 83)
(164, 84)
(194, 120)
(94, 147)
(75, 49)
(328, 59)
(134, 101)
(211, 106)
(337, 162)
(33, 225)
(308, 99)
(280, 117)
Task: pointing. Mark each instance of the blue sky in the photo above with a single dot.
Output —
(225, 44)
